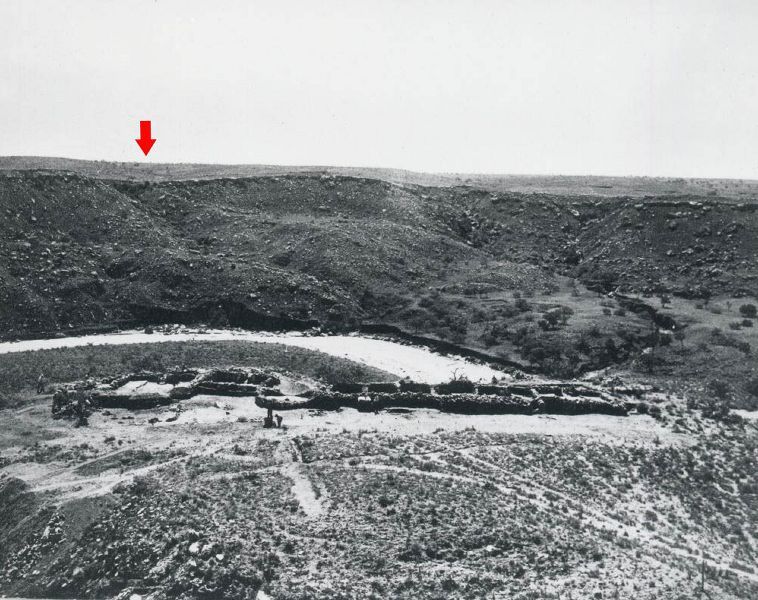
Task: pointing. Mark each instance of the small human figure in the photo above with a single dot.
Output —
(59, 402)
(269, 420)
(81, 418)
(364, 402)
(41, 382)
(279, 421)
(364, 397)
(81, 406)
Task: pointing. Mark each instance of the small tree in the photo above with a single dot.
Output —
(521, 305)
(648, 360)
(552, 317)
(610, 349)
(718, 388)
(748, 311)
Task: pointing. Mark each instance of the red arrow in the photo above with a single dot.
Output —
(145, 141)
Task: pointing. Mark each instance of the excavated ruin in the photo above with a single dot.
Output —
(184, 384)
(465, 397)
(145, 390)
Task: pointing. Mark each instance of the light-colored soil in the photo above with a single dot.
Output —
(500, 490)
(144, 387)
(206, 424)
(437, 451)
(420, 364)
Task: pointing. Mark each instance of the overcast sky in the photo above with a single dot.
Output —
(575, 87)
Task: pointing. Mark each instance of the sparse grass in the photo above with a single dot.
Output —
(517, 511)
(20, 370)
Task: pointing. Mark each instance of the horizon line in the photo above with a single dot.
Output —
(376, 168)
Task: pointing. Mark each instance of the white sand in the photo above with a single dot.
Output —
(746, 414)
(144, 387)
(208, 410)
(418, 363)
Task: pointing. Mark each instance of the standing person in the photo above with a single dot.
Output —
(279, 421)
(81, 407)
(59, 402)
(41, 382)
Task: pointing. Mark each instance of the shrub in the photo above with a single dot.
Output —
(647, 361)
(521, 305)
(414, 552)
(607, 279)
(552, 317)
(143, 485)
(718, 410)
(494, 334)
(748, 311)
(718, 388)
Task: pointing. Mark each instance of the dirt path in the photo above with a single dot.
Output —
(302, 489)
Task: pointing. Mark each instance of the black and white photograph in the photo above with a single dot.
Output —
(379, 300)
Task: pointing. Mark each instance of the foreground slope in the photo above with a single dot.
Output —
(199, 501)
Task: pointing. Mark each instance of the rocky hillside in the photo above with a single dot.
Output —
(468, 265)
